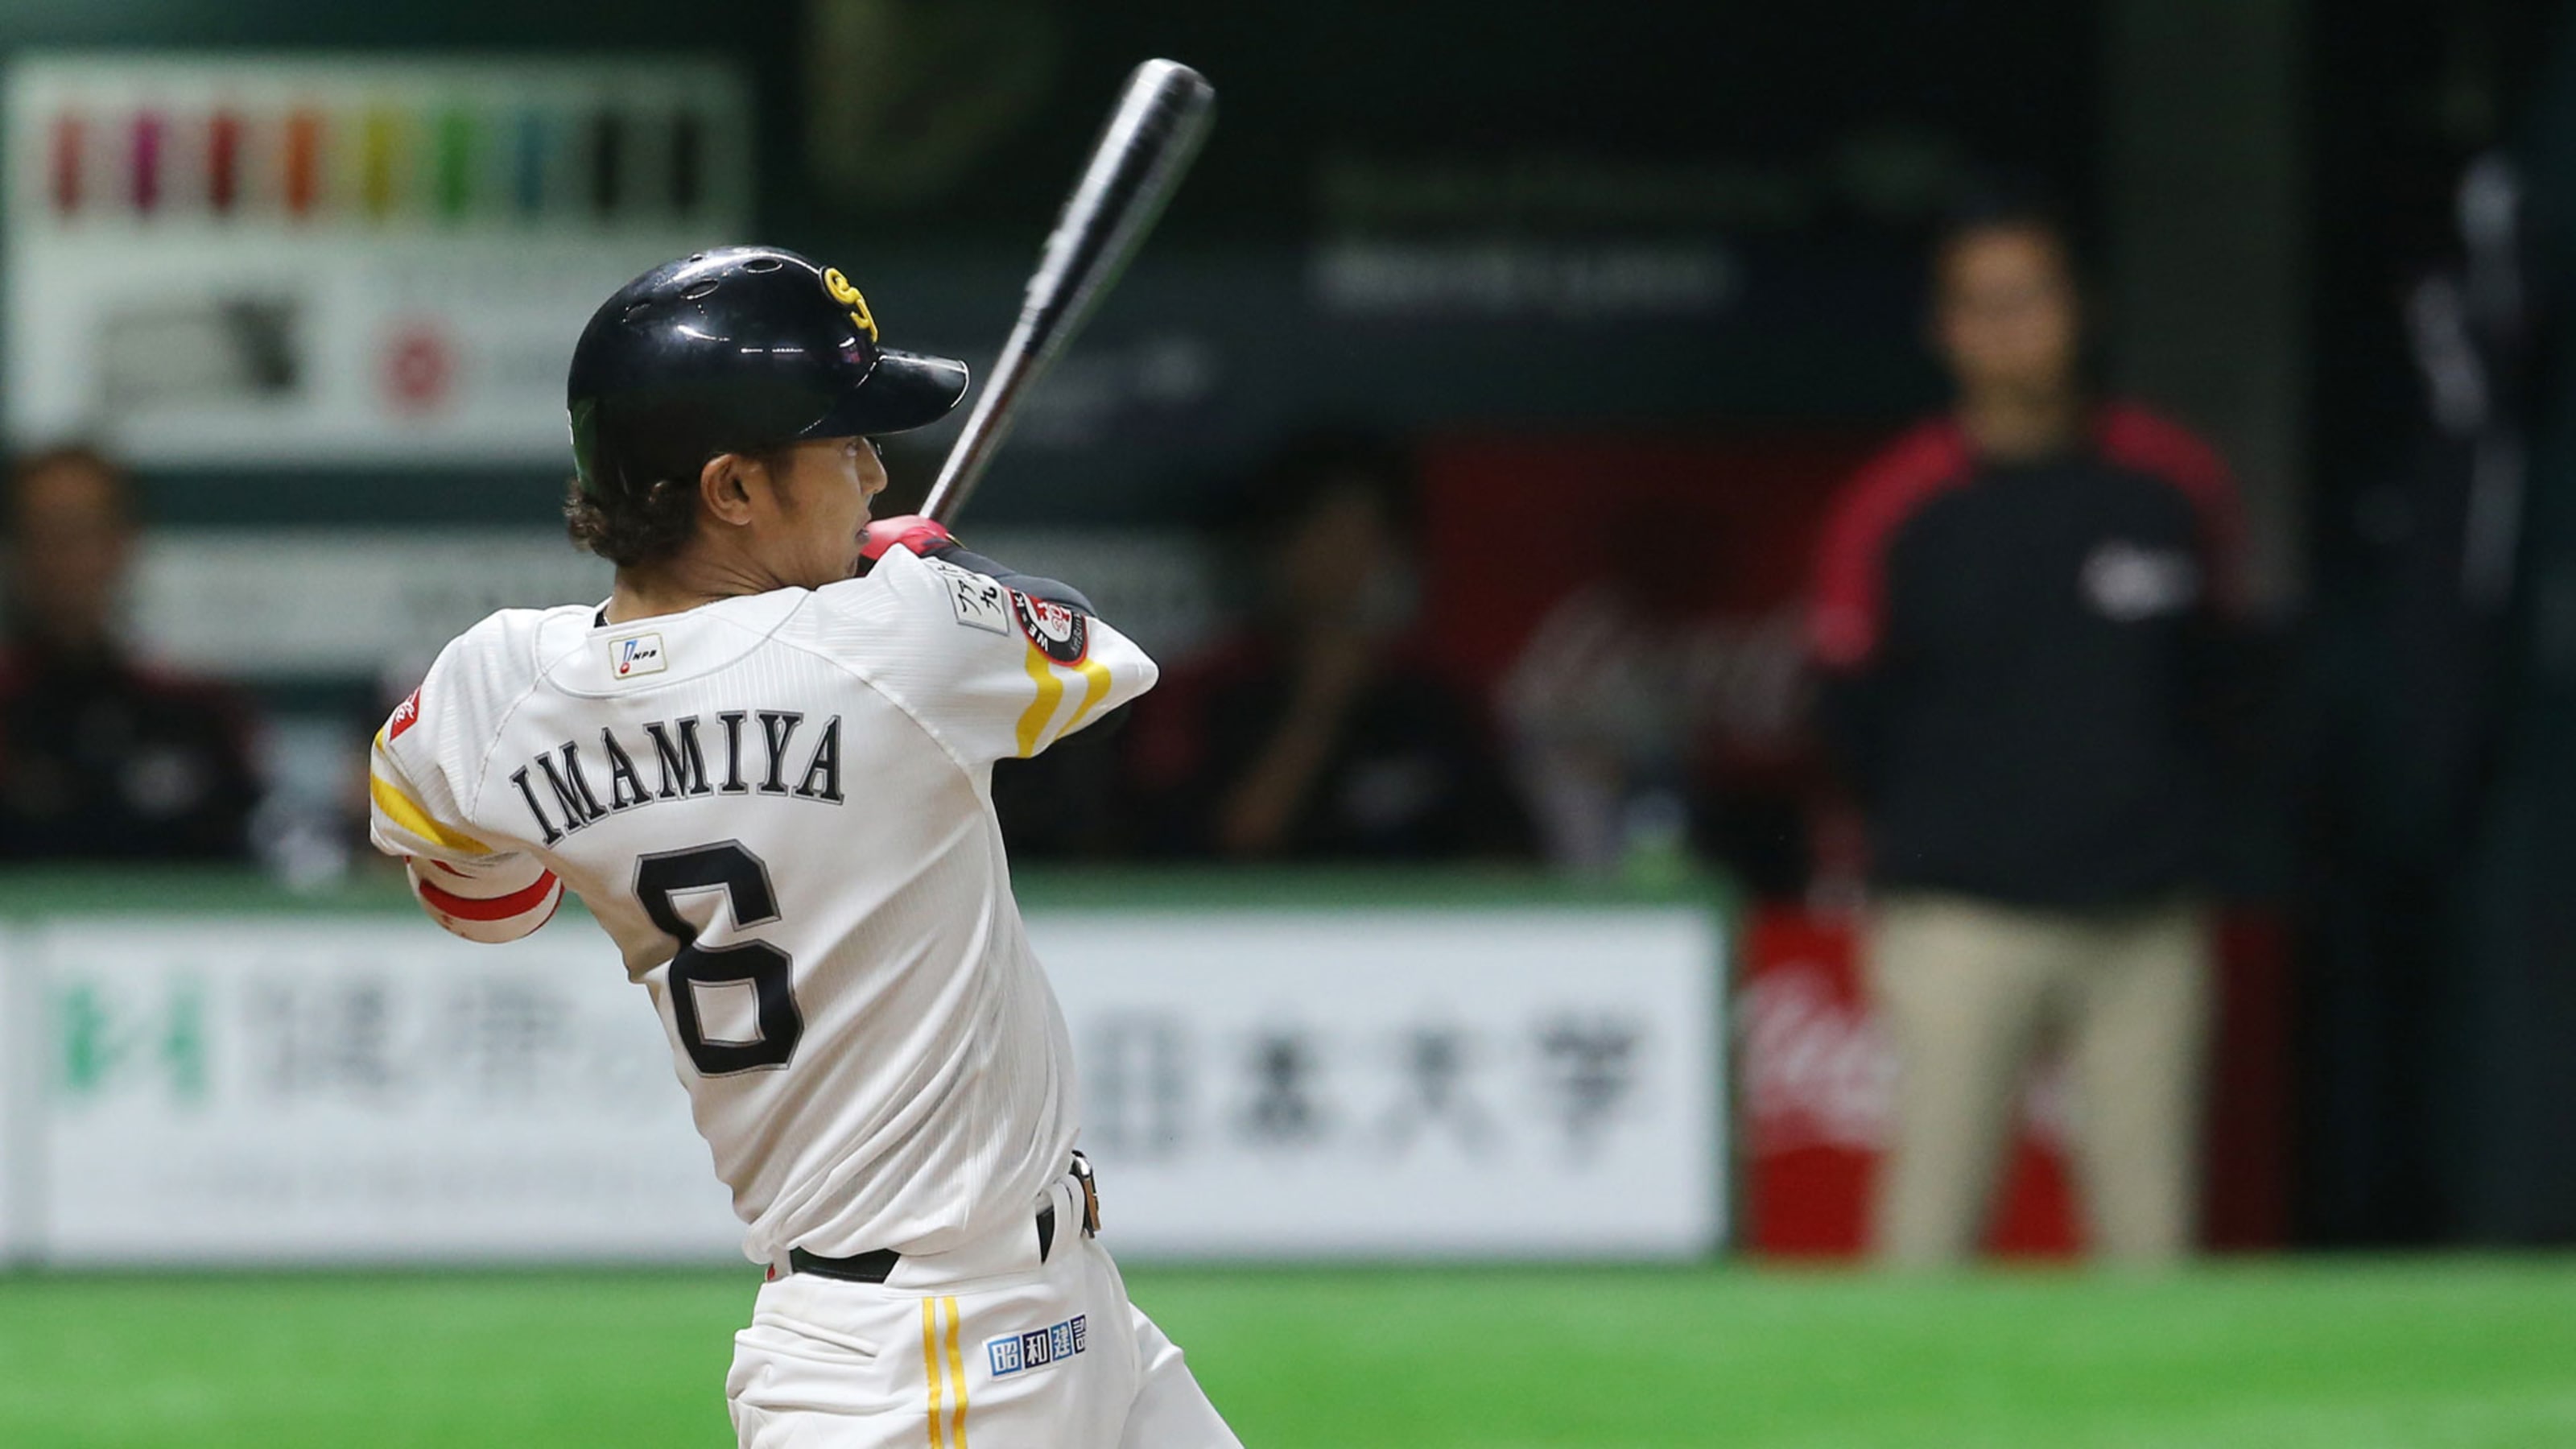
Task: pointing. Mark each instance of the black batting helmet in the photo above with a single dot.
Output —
(736, 351)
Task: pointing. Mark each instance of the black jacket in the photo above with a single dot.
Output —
(2021, 665)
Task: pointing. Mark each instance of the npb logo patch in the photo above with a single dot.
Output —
(639, 655)
(1015, 1353)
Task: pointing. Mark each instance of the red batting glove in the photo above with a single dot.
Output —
(913, 531)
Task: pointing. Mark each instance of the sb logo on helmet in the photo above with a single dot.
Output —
(848, 296)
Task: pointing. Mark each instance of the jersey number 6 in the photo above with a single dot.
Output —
(745, 881)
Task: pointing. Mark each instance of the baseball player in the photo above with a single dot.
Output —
(765, 766)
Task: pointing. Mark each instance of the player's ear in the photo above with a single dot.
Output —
(724, 487)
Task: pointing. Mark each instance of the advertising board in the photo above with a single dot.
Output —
(1263, 1083)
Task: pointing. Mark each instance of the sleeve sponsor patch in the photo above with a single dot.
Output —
(976, 600)
(406, 714)
(1060, 633)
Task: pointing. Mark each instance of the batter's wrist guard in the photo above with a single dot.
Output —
(924, 536)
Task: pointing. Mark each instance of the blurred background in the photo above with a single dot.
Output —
(1598, 480)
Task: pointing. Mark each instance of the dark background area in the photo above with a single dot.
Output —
(1800, 148)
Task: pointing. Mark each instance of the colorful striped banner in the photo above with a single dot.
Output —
(455, 162)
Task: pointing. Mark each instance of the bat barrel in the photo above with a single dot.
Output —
(1161, 117)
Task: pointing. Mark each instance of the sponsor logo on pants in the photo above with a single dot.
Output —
(1020, 1352)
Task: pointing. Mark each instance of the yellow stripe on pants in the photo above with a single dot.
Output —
(953, 1380)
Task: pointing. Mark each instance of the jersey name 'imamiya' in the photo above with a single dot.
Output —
(677, 753)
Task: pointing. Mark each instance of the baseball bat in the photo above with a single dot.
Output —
(1154, 131)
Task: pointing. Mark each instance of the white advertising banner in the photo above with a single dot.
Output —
(1258, 1083)
(343, 259)
(274, 1089)
(1398, 1083)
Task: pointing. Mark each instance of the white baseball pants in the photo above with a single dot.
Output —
(984, 1345)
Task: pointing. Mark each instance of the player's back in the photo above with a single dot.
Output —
(778, 805)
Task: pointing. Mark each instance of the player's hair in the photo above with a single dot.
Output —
(638, 528)
(651, 509)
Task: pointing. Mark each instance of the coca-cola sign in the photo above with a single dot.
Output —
(1817, 1071)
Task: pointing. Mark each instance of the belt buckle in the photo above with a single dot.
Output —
(1090, 1196)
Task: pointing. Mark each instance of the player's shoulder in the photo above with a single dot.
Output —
(509, 640)
(511, 630)
(906, 596)
(497, 660)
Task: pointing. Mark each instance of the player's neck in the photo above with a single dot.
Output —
(682, 584)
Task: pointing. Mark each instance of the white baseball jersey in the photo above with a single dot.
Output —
(780, 807)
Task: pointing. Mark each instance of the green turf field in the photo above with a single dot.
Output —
(2338, 1356)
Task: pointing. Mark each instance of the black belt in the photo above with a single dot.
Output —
(876, 1267)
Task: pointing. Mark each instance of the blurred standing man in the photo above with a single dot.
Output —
(2018, 611)
(101, 758)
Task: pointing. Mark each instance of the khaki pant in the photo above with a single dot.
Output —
(1970, 991)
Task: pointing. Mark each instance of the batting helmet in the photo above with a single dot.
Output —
(736, 351)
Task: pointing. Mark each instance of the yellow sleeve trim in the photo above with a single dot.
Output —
(1050, 697)
(1041, 710)
(404, 811)
(1095, 688)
